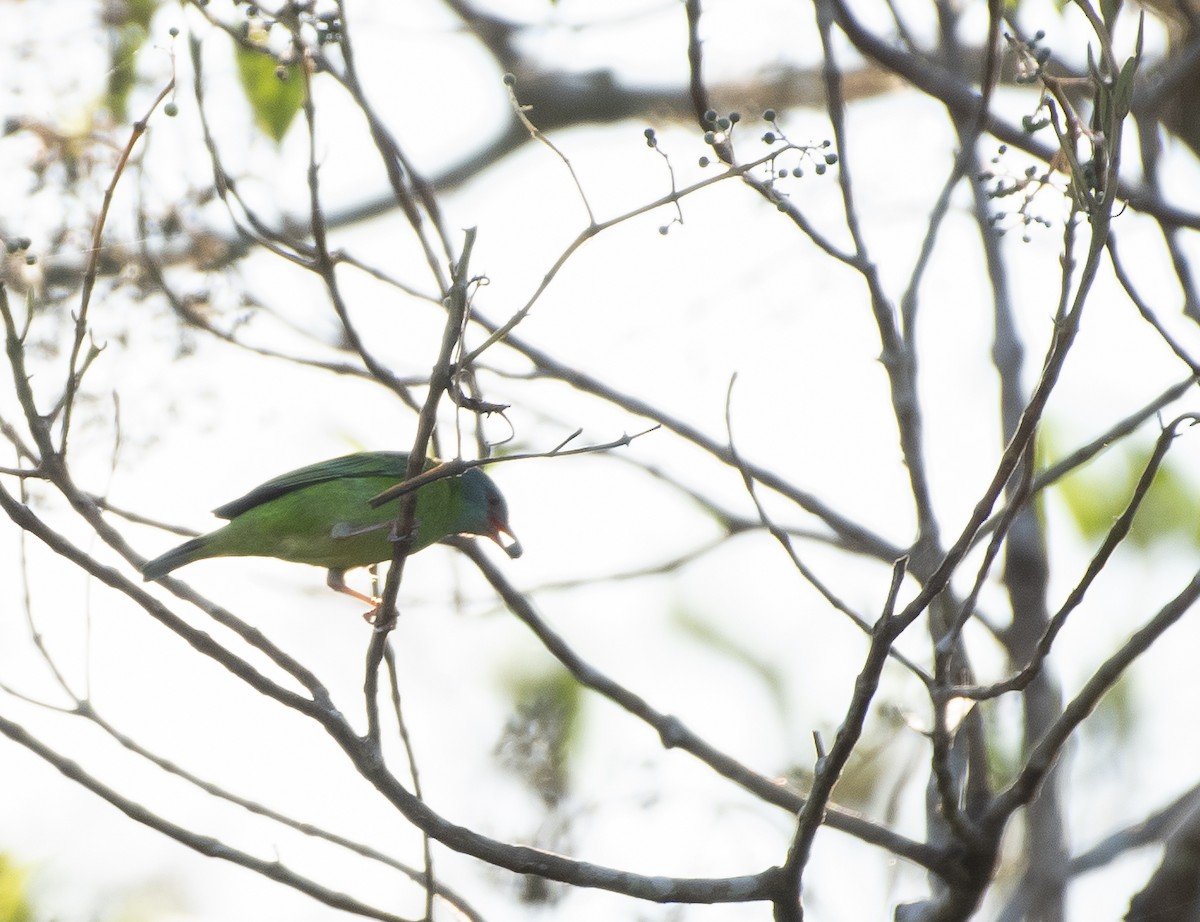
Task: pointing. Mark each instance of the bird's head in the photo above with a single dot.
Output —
(486, 511)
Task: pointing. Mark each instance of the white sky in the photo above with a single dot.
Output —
(735, 289)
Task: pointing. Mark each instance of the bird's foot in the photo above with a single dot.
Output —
(337, 582)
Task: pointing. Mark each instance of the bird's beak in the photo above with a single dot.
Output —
(513, 547)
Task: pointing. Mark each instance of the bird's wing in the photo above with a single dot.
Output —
(349, 530)
(363, 464)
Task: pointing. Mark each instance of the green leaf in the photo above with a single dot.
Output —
(538, 739)
(1123, 88)
(1098, 493)
(126, 37)
(275, 91)
(14, 904)
(1169, 510)
(1108, 12)
(1104, 105)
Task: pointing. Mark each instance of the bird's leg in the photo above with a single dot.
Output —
(337, 582)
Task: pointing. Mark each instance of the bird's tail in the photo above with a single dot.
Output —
(177, 557)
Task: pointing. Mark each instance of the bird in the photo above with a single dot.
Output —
(321, 515)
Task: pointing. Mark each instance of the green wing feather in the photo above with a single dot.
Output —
(392, 464)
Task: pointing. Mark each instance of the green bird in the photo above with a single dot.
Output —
(321, 515)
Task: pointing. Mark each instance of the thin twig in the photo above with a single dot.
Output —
(74, 373)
